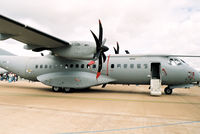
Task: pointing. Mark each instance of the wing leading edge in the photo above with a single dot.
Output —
(154, 55)
(12, 29)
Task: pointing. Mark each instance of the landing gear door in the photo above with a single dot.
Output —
(155, 82)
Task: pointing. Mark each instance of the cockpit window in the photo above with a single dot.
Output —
(171, 62)
(174, 62)
(177, 62)
(183, 61)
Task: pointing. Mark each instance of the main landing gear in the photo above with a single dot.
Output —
(59, 89)
(168, 91)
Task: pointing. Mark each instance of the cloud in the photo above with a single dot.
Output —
(141, 26)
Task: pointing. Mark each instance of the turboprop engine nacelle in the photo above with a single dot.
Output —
(76, 50)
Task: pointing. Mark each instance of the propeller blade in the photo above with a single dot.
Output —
(96, 56)
(116, 50)
(99, 67)
(98, 45)
(98, 74)
(100, 49)
(104, 41)
(100, 32)
(104, 57)
(91, 63)
(127, 52)
(100, 64)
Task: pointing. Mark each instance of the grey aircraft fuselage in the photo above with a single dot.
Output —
(121, 69)
(71, 64)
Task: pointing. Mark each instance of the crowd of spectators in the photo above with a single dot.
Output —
(10, 77)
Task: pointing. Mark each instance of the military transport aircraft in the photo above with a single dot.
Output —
(76, 64)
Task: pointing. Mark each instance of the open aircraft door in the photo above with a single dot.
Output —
(155, 82)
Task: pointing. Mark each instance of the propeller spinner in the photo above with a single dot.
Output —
(100, 49)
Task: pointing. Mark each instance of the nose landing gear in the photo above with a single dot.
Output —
(168, 91)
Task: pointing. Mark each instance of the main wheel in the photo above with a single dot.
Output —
(168, 91)
(66, 90)
(56, 89)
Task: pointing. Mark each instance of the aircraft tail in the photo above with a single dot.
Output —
(6, 53)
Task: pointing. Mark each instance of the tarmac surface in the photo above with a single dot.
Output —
(32, 108)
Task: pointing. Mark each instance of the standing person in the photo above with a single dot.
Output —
(5, 76)
(15, 78)
(1, 77)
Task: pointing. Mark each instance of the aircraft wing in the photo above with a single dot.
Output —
(28, 35)
(154, 55)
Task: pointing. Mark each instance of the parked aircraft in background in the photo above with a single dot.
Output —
(73, 65)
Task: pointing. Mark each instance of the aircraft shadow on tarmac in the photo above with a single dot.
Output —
(101, 90)
(110, 91)
(117, 91)
(92, 90)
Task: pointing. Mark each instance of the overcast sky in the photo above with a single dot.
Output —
(141, 26)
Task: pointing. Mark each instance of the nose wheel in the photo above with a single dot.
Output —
(168, 91)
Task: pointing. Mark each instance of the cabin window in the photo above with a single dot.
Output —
(145, 66)
(36, 66)
(88, 66)
(118, 65)
(50, 66)
(94, 66)
(131, 65)
(82, 65)
(77, 65)
(112, 65)
(41, 66)
(77, 44)
(71, 65)
(138, 66)
(66, 66)
(125, 65)
(45, 66)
